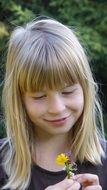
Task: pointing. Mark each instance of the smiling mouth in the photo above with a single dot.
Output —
(57, 120)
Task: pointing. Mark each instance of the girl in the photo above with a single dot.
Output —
(51, 107)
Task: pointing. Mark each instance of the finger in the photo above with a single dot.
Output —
(65, 184)
(95, 187)
(74, 186)
(87, 179)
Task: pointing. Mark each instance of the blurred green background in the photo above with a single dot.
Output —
(87, 17)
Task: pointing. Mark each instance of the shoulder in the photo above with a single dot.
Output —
(104, 159)
(3, 143)
(104, 146)
(102, 169)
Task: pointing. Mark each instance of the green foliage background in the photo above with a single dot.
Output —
(87, 17)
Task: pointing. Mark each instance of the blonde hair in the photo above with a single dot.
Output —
(47, 53)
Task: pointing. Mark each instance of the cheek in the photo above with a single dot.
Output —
(76, 103)
(35, 109)
(80, 102)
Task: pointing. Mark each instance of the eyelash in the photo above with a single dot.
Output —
(64, 93)
(40, 97)
(67, 92)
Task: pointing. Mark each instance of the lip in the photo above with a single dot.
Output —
(58, 122)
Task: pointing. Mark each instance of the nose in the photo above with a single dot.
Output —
(56, 104)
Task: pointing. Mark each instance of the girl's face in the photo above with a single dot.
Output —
(55, 111)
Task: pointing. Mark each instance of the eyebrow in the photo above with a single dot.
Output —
(44, 91)
(67, 86)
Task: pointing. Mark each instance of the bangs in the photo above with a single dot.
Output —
(49, 68)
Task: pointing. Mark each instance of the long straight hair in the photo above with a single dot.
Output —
(46, 53)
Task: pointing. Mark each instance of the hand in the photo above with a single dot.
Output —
(88, 181)
(66, 184)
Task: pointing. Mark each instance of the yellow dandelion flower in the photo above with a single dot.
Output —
(62, 159)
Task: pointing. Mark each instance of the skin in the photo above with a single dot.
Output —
(46, 110)
(88, 182)
(53, 113)
(46, 106)
(66, 184)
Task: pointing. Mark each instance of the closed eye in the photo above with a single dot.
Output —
(67, 93)
(39, 97)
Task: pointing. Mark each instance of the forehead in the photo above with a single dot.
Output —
(48, 63)
(50, 76)
(48, 86)
(57, 88)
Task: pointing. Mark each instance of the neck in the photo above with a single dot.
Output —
(58, 142)
(47, 149)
